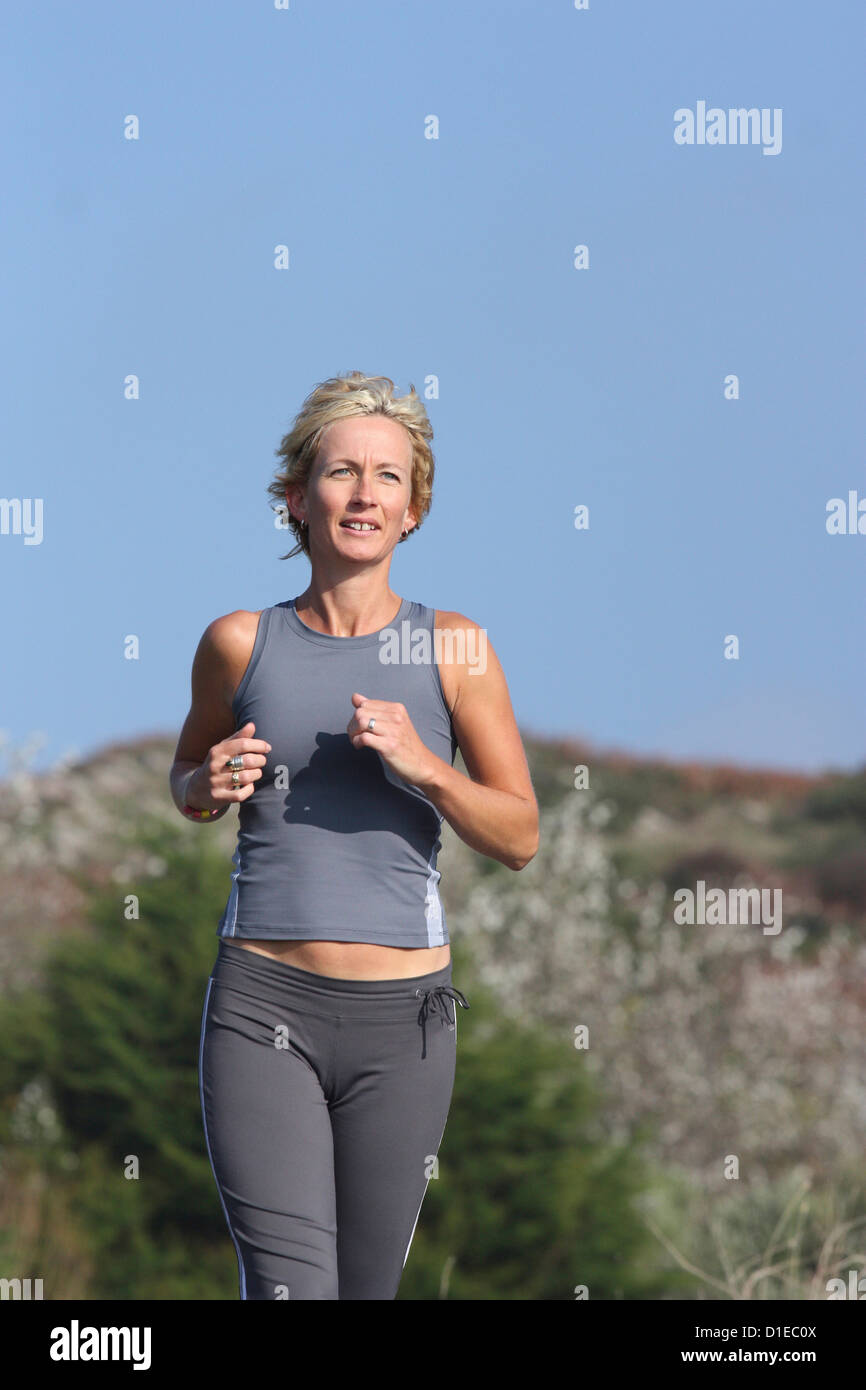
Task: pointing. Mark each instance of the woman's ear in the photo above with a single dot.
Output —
(295, 500)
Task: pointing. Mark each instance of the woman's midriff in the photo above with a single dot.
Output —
(352, 960)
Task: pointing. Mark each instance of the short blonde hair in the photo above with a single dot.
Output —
(339, 398)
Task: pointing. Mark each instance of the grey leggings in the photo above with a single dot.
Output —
(324, 1103)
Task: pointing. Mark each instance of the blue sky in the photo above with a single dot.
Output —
(449, 258)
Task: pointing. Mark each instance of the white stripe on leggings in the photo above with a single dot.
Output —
(242, 1273)
(438, 1146)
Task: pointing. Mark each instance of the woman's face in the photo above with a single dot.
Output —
(362, 474)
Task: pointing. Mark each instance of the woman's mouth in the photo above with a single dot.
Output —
(359, 526)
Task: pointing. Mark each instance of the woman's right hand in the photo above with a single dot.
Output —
(211, 785)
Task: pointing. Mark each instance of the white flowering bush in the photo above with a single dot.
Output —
(715, 1041)
(709, 1040)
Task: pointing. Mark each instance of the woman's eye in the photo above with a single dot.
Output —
(388, 473)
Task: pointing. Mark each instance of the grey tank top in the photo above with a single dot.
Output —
(332, 844)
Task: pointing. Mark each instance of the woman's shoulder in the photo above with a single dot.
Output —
(450, 618)
(461, 646)
(231, 637)
(233, 628)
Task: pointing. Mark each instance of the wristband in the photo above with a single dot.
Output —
(194, 814)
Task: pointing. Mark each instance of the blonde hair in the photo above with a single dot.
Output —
(339, 398)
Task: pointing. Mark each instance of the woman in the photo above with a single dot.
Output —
(329, 1027)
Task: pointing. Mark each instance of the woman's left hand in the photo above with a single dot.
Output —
(393, 737)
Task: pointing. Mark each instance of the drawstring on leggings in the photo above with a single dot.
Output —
(433, 1000)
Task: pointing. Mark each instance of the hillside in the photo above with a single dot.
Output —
(709, 1039)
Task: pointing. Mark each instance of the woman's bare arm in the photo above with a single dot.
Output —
(218, 667)
(494, 809)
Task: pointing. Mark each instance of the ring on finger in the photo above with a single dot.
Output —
(236, 762)
(236, 778)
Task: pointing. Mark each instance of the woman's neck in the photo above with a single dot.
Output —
(349, 609)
